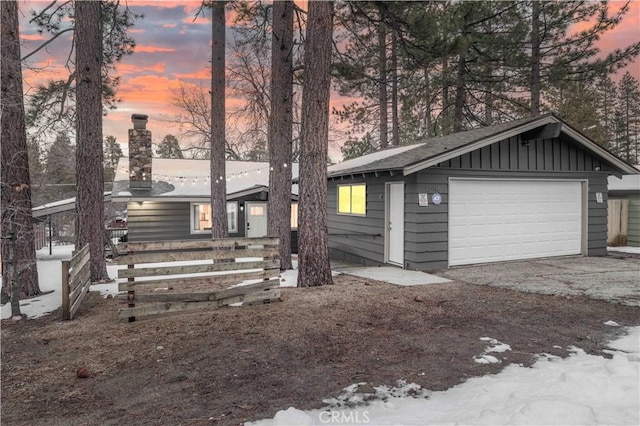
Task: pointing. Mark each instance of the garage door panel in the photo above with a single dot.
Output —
(496, 220)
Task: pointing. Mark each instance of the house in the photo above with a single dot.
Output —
(169, 199)
(529, 188)
(624, 210)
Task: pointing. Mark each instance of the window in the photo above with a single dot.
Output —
(352, 199)
(294, 215)
(201, 217)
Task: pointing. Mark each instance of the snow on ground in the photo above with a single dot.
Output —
(50, 277)
(579, 390)
(625, 249)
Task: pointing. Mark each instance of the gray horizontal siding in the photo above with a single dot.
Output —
(426, 227)
(557, 154)
(159, 221)
(357, 238)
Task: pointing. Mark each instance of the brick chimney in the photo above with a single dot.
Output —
(140, 154)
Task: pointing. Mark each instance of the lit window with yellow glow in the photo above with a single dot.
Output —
(352, 199)
(294, 215)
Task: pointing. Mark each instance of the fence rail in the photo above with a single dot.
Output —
(76, 280)
(178, 276)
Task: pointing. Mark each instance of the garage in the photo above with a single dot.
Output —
(492, 220)
(529, 188)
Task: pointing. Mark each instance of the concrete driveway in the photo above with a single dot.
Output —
(607, 278)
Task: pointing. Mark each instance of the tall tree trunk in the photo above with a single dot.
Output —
(488, 108)
(18, 253)
(313, 250)
(219, 227)
(89, 155)
(395, 121)
(280, 129)
(534, 78)
(458, 112)
(446, 122)
(427, 113)
(382, 89)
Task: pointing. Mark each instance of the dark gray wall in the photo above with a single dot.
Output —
(166, 220)
(558, 154)
(361, 239)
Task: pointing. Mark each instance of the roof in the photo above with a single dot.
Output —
(628, 184)
(413, 158)
(185, 180)
(60, 206)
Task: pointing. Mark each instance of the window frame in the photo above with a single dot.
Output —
(193, 218)
(350, 213)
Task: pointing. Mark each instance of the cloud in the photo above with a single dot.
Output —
(153, 49)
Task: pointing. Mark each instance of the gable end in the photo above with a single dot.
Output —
(517, 153)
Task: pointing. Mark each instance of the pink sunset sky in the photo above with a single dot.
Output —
(173, 49)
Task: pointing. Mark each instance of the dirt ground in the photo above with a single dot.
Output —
(237, 364)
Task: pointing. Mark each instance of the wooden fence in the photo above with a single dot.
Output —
(76, 280)
(179, 276)
(617, 222)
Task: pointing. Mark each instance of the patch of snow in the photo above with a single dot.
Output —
(612, 324)
(494, 346)
(486, 359)
(581, 389)
(625, 249)
(630, 343)
(50, 282)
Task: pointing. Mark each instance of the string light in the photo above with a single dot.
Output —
(199, 178)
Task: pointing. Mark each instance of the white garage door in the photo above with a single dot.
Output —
(496, 220)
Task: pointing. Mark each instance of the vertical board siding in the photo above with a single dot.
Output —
(426, 227)
(557, 154)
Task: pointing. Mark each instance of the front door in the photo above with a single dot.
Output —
(395, 223)
(256, 219)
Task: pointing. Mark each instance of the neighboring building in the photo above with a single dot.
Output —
(169, 199)
(624, 210)
(530, 188)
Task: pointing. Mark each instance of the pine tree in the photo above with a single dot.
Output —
(219, 227)
(19, 271)
(628, 118)
(556, 54)
(169, 147)
(112, 154)
(51, 107)
(280, 129)
(89, 155)
(313, 247)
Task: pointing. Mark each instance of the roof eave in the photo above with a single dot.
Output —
(429, 162)
(621, 165)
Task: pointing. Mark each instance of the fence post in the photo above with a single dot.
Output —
(66, 308)
(131, 294)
